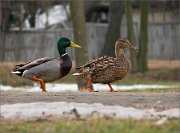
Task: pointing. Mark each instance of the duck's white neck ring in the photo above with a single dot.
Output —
(63, 54)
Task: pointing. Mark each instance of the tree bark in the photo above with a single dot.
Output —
(21, 17)
(33, 8)
(113, 33)
(5, 15)
(143, 38)
(79, 29)
(131, 35)
(1, 56)
(0, 16)
(4, 20)
(45, 5)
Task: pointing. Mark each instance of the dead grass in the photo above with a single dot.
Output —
(163, 64)
(7, 78)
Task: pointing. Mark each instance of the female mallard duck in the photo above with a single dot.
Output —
(48, 69)
(107, 69)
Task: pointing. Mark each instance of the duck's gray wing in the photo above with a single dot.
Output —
(31, 64)
(48, 71)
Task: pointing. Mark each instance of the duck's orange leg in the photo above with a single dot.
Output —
(41, 82)
(89, 85)
(111, 89)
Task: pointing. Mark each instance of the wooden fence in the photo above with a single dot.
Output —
(164, 42)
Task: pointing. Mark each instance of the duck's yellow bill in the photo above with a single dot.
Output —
(74, 45)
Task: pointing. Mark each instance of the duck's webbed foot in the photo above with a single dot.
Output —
(111, 89)
(41, 81)
(91, 90)
(43, 89)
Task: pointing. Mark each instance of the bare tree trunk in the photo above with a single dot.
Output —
(33, 8)
(0, 16)
(4, 20)
(5, 15)
(143, 39)
(21, 17)
(131, 35)
(113, 32)
(78, 21)
(45, 5)
(1, 31)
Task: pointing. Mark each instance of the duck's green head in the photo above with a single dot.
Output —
(63, 43)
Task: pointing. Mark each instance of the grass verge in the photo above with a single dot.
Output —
(91, 126)
(157, 90)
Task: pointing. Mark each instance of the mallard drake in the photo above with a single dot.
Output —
(107, 69)
(48, 69)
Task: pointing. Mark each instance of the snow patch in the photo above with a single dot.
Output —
(64, 110)
(73, 87)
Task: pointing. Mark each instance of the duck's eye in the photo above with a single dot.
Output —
(67, 42)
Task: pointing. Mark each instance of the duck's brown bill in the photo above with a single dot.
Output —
(134, 47)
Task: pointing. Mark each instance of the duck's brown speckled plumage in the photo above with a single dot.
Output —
(107, 69)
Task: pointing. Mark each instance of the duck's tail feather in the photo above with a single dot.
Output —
(18, 72)
(77, 74)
